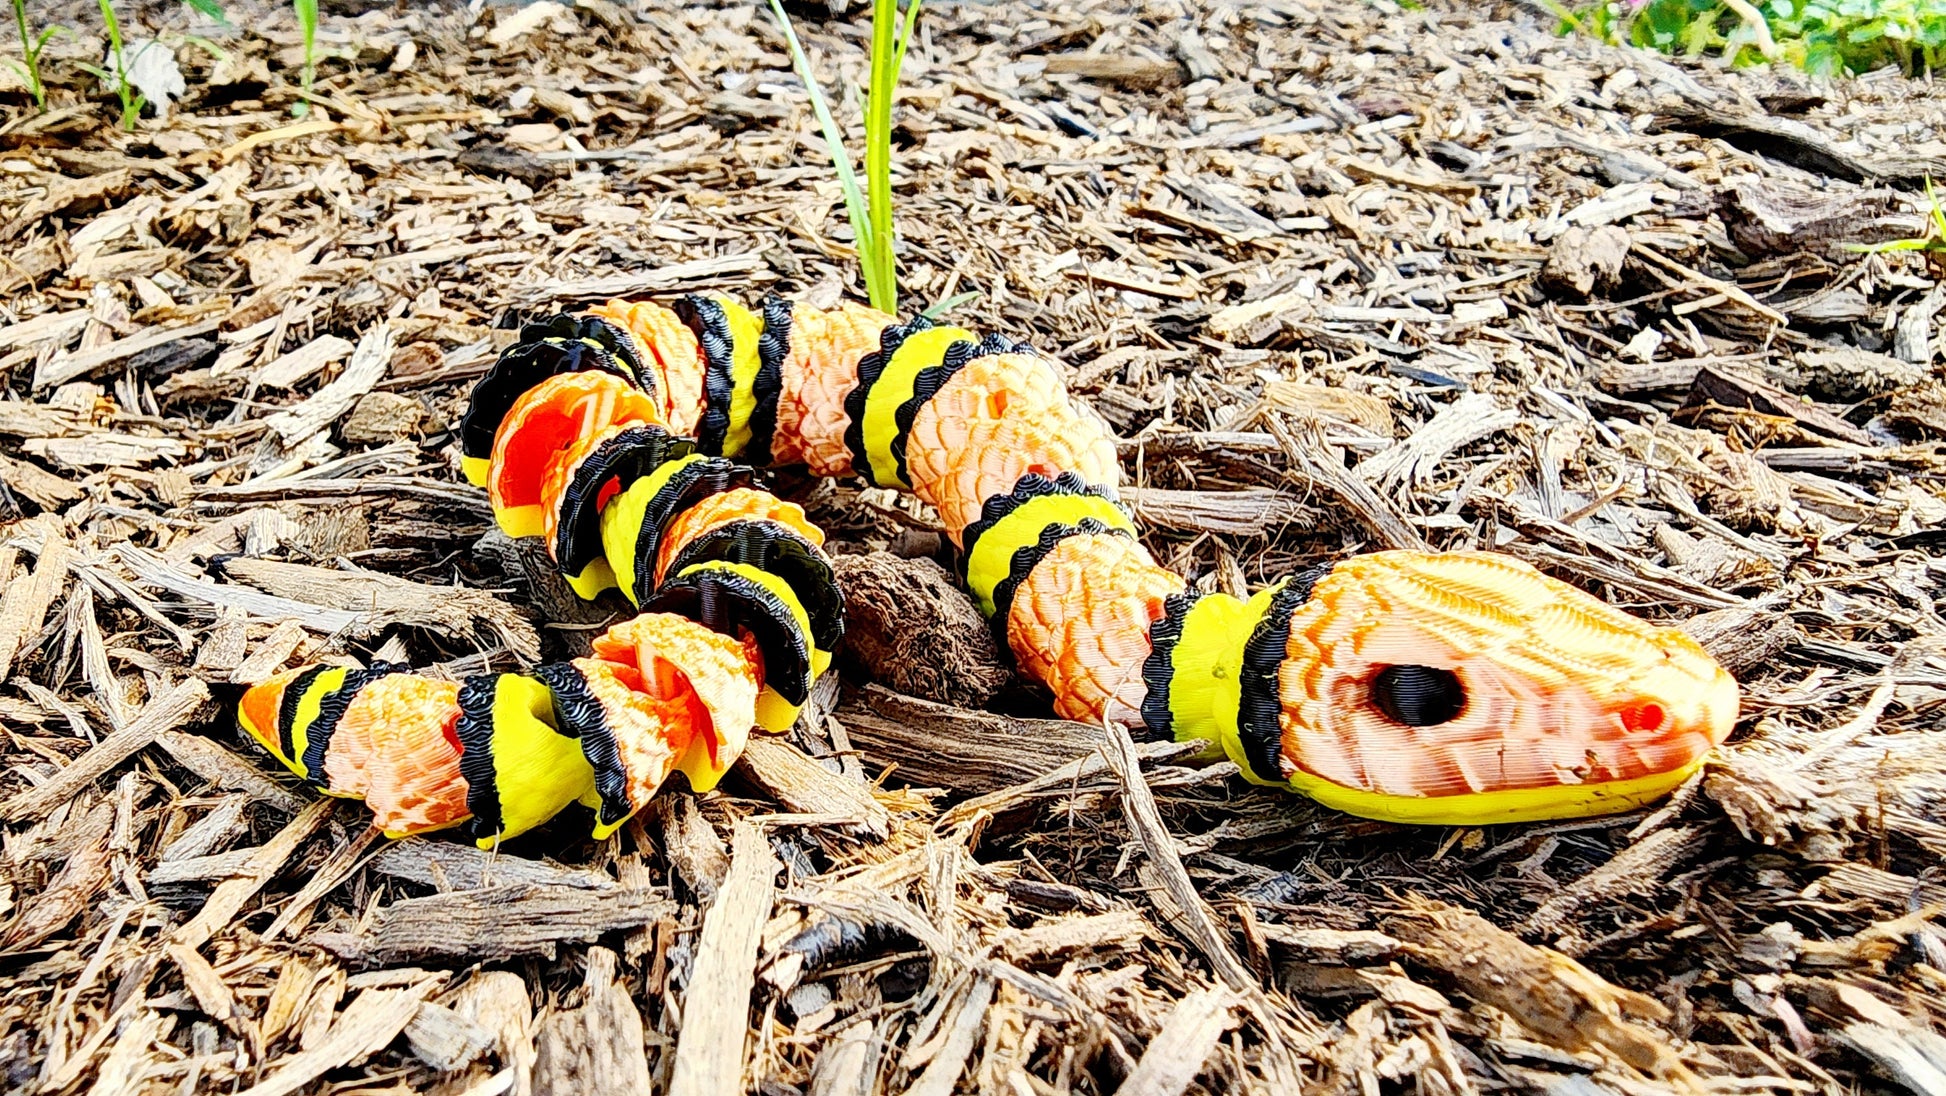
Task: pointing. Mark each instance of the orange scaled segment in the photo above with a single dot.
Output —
(259, 706)
(1562, 689)
(652, 721)
(678, 658)
(739, 504)
(1080, 624)
(397, 747)
(670, 348)
(998, 418)
(545, 423)
(821, 369)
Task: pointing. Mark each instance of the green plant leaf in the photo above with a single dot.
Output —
(950, 303)
(211, 8)
(834, 140)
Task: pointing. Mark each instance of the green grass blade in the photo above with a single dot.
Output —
(881, 279)
(950, 303)
(834, 138)
(905, 38)
(307, 18)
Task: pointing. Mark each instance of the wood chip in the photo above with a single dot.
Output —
(174, 707)
(1185, 1042)
(598, 1046)
(716, 1014)
(327, 405)
(372, 1020)
(494, 923)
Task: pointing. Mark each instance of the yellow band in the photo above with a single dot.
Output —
(1491, 808)
(621, 523)
(920, 351)
(746, 328)
(991, 560)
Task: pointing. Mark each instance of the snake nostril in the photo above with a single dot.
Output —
(1646, 716)
(1418, 696)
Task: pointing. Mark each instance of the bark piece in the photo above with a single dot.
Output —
(366, 1026)
(1847, 374)
(227, 900)
(1742, 640)
(909, 626)
(597, 1047)
(382, 600)
(693, 846)
(1770, 217)
(75, 888)
(445, 1040)
(327, 405)
(957, 748)
(383, 416)
(1586, 261)
(1727, 389)
(716, 1015)
(497, 1001)
(24, 603)
(494, 923)
(166, 712)
(1139, 73)
(449, 864)
(803, 785)
(1553, 996)
(1177, 1053)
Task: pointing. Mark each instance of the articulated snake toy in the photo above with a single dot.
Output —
(1440, 688)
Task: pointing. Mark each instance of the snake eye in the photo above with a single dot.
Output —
(1418, 696)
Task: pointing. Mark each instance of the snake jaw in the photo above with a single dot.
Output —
(1563, 704)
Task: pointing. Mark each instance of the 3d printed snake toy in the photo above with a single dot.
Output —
(1449, 688)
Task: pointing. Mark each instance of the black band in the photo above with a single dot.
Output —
(687, 486)
(1033, 485)
(578, 714)
(1159, 669)
(773, 346)
(1259, 725)
(331, 709)
(520, 368)
(1029, 557)
(605, 334)
(776, 549)
(870, 368)
(475, 731)
(705, 317)
(287, 707)
(724, 602)
(620, 342)
(624, 458)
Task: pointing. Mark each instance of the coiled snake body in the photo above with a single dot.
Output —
(1454, 688)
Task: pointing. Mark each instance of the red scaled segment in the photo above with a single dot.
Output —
(819, 372)
(669, 347)
(1080, 624)
(560, 475)
(543, 426)
(652, 719)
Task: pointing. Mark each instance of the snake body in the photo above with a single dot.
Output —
(1451, 688)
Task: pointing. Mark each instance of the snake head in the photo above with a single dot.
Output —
(1466, 688)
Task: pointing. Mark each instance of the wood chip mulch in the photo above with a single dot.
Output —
(1342, 276)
